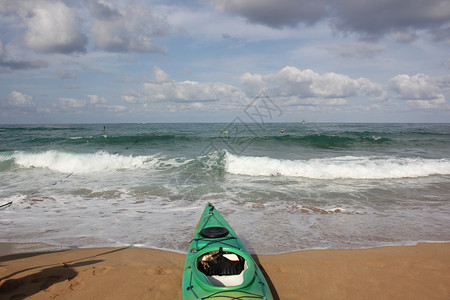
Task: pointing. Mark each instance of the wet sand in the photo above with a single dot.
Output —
(402, 272)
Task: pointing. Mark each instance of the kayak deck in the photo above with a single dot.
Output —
(217, 264)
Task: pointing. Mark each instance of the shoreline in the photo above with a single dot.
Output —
(421, 271)
(9, 248)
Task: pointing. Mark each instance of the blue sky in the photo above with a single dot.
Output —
(104, 61)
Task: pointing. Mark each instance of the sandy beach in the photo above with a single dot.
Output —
(401, 272)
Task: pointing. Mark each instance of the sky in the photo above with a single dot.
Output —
(153, 61)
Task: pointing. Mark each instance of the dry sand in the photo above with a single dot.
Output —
(411, 272)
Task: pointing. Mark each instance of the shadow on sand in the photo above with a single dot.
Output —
(45, 277)
(23, 287)
(269, 281)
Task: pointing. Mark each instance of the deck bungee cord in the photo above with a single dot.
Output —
(212, 240)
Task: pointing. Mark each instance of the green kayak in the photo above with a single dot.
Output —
(218, 266)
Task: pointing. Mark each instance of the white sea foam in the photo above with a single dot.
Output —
(340, 167)
(65, 162)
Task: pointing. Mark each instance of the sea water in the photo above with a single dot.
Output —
(315, 186)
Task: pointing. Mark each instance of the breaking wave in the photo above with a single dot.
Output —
(350, 167)
(100, 161)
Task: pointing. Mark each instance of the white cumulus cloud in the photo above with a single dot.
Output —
(293, 83)
(129, 27)
(52, 27)
(91, 103)
(18, 100)
(67, 103)
(179, 95)
(421, 90)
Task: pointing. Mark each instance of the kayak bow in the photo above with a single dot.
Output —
(218, 266)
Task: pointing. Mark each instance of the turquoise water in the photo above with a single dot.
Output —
(315, 186)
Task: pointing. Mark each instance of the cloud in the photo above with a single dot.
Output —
(307, 86)
(22, 64)
(55, 26)
(427, 104)
(181, 95)
(101, 104)
(103, 10)
(96, 100)
(18, 101)
(64, 74)
(421, 90)
(93, 102)
(373, 19)
(290, 87)
(369, 19)
(404, 36)
(72, 87)
(160, 76)
(358, 50)
(234, 40)
(131, 27)
(14, 62)
(52, 27)
(275, 13)
(70, 104)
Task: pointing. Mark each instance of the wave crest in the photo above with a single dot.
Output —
(65, 162)
(350, 167)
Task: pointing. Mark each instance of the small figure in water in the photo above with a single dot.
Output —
(104, 129)
(282, 131)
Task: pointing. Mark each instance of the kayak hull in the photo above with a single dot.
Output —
(218, 266)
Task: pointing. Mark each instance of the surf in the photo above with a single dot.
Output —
(66, 162)
(349, 167)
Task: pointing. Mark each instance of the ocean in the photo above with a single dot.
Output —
(315, 186)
